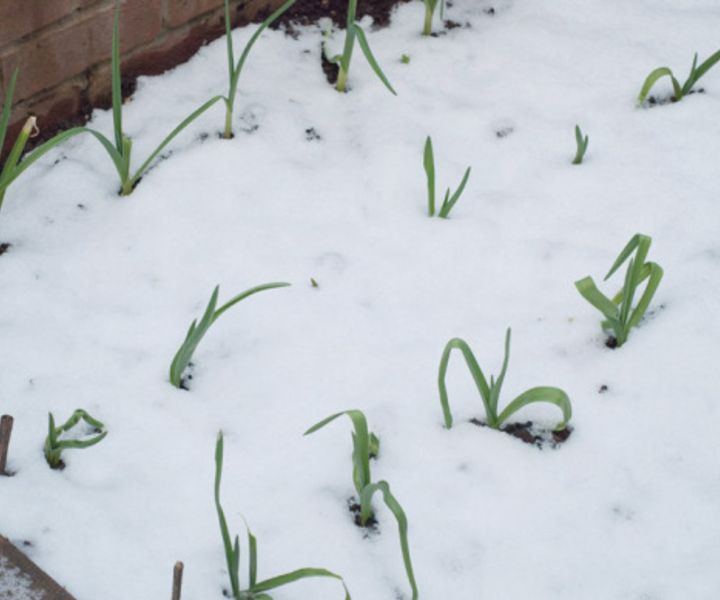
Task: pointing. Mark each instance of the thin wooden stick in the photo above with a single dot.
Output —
(177, 580)
(6, 425)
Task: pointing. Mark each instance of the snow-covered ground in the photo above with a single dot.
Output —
(98, 291)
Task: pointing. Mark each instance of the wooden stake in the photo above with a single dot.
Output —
(6, 425)
(177, 580)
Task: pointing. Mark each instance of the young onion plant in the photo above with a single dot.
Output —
(582, 144)
(256, 590)
(353, 31)
(679, 91)
(450, 200)
(13, 167)
(120, 151)
(430, 6)
(235, 69)
(54, 445)
(490, 391)
(364, 444)
(620, 317)
(198, 330)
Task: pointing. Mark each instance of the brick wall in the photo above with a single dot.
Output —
(62, 48)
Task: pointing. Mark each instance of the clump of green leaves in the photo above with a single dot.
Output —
(490, 392)
(121, 150)
(257, 590)
(430, 6)
(450, 200)
(353, 31)
(582, 144)
(198, 330)
(365, 446)
(13, 167)
(235, 69)
(620, 316)
(679, 91)
(54, 445)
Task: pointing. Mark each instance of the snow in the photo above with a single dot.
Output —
(14, 585)
(96, 300)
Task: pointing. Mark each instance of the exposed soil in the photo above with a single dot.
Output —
(660, 100)
(602, 389)
(530, 434)
(330, 69)
(4, 247)
(354, 508)
(307, 12)
(611, 343)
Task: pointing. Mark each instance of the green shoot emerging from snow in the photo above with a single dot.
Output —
(353, 31)
(235, 69)
(54, 445)
(430, 6)
(197, 330)
(365, 446)
(490, 392)
(449, 201)
(13, 167)
(619, 315)
(120, 151)
(582, 144)
(679, 91)
(257, 590)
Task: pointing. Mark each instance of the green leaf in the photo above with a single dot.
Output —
(429, 165)
(477, 375)
(653, 77)
(655, 274)
(551, 395)
(399, 514)
(638, 241)
(496, 386)
(587, 288)
(365, 47)
(361, 445)
(448, 203)
(298, 574)
(7, 107)
(252, 563)
(232, 554)
(696, 74)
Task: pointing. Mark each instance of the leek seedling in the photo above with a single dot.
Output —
(256, 589)
(430, 6)
(619, 315)
(364, 445)
(13, 167)
(449, 201)
(234, 69)
(54, 445)
(197, 330)
(120, 151)
(353, 31)
(696, 72)
(490, 392)
(582, 144)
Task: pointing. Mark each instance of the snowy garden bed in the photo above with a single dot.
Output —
(327, 191)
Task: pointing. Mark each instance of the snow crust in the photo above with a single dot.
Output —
(98, 292)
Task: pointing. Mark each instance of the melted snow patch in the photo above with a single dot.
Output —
(14, 585)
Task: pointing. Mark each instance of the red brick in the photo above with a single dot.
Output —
(17, 19)
(179, 12)
(70, 49)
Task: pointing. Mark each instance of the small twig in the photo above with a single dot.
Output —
(177, 580)
(6, 425)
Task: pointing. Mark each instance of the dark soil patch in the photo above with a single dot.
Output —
(4, 247)
(530, 434)
(330, 69)
(503, 132)
(307, 12)
(660, 100)
(311, 134)
(611, 342)
(602, 389)
(354, 508)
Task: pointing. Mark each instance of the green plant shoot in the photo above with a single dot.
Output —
(235, 69)
(490, 392)
(582, 143)
(430, 6)
(256, 590)
(450, 200)
(198, 329)
(54, 445)
(13, 167)
(365, 444)
(620, 317)
(121, 151)
(353, 31)
(679, 91)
